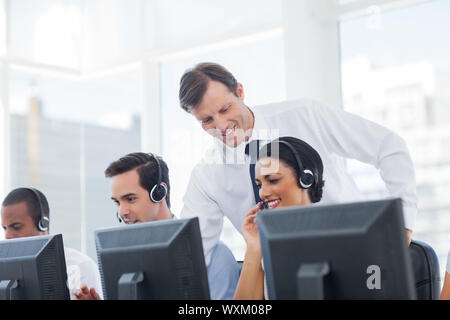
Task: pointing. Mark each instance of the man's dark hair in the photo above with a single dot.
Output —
(309, 158)
(146, 167)
(31, 199)
(194, 83)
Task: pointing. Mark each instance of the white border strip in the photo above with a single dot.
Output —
(362, 8)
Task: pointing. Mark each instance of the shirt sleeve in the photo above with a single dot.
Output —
(351, 136)
(90, 276)
(448, 263)
(81, 269)
(198, 203)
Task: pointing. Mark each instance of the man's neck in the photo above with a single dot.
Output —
(251, 126)
(164, 211)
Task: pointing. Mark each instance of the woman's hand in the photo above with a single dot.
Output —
(250, 228)
(251, 280)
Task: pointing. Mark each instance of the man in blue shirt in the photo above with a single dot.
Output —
(141, 189)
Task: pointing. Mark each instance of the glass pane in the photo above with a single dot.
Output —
(47, 31)
(112, 33)
(2, 28)
(63, 136)
(343, 2)
(110, 101)
(185, 21)
(396, 71)
(3, 117)
(259, 67)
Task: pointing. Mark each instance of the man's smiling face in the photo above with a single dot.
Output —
(223, 114)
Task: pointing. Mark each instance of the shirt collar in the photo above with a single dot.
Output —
(261, 129)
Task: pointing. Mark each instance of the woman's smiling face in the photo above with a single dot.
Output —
(278, 185)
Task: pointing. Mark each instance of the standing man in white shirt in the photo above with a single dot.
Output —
(223, 187)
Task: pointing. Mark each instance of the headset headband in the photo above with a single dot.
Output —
(44, 221)
(159, 190)
(307, 177)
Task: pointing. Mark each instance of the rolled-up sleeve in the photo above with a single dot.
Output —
(354, 137)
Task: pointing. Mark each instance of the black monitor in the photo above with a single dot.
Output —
(343, 251)
(33, 268)
(160, 260)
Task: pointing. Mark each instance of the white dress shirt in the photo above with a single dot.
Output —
(220, 184)
(81, 269)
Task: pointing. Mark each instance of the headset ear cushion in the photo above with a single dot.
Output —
(307, 179)
(158, 193)
(43, 224)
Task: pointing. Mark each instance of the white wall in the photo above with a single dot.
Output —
(311, 40)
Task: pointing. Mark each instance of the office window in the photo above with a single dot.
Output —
(259, 67)
(112, 32)
(2, 29)
(397, 73)
(63, 135)
(3, 134)
(181, 22)
(343, 2)
(46, 31)
(3, 99)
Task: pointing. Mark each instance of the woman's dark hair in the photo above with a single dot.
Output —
(309, 157)
(194, 83)
(33, 200)
(146, 167)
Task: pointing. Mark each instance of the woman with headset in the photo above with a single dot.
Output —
(288, 173)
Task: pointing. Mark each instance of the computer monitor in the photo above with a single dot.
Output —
(153, 260)
(33, 268)
(343, 251)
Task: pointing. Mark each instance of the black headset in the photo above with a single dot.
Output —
(44, 221)
(307, 177)
(159, 190)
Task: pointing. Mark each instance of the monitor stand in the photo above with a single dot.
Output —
(310, 280)
(7, 289)
(128, 285)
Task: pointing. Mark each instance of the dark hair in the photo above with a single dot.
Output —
(309, 158)
(29, 197)
(194, 83)
(146, 167)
